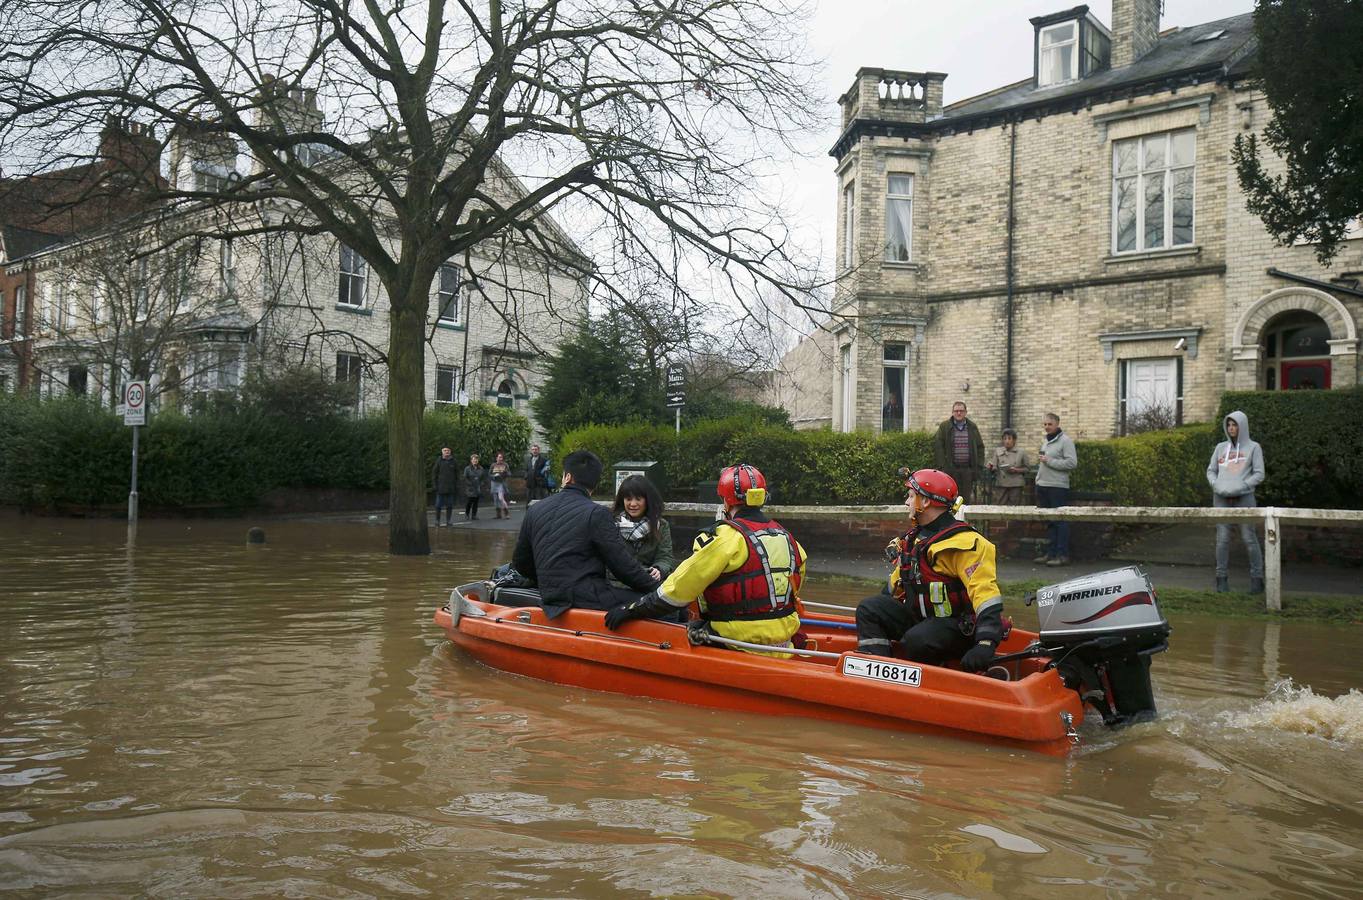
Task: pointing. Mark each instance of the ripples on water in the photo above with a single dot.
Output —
(201, 718)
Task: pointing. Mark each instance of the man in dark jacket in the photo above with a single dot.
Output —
(445, 477)
(567, 543)
(958, 450)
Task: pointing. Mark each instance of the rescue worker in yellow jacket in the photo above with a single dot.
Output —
(745, 571)
(943, 601)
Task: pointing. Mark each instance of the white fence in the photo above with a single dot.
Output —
(1271, 517)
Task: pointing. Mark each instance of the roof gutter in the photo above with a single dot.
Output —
(1316, 282)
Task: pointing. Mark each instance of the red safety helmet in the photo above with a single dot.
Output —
(742, 485)
(937, 486)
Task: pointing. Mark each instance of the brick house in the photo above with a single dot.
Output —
(225, 307)
(1128, 286)
(43, 210)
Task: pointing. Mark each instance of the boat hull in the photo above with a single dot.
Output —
(654, 659)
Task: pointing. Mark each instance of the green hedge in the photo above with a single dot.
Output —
(802, 467)
(1157, 468)
(1311, 443)
(71, 452)
(1309, 438)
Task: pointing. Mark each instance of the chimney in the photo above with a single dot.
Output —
(198, 153)
(130, 147)
(1135, 28)
(887, 95)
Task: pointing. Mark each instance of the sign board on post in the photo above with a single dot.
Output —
(135, 403)
(676, 386)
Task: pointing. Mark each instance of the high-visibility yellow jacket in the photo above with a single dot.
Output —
(724, 550)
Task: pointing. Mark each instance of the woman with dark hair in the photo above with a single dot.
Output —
(639, 516)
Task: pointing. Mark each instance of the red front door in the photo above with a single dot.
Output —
(1306, 375)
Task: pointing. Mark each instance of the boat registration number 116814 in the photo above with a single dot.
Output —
(882, 670)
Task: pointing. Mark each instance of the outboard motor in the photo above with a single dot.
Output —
(1101, 631)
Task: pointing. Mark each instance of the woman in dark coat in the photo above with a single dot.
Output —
(474, 475)
(639, 517)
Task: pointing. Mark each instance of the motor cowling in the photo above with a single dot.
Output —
(1102, 630)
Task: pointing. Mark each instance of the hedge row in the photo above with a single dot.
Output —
(70, 452)
(1309, 438)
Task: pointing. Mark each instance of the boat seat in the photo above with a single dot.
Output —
(516, 596)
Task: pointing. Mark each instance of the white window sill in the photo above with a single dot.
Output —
(909, 266)
(1148, 255)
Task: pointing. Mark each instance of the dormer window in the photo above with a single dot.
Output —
(1070, 45)
(1057, 54)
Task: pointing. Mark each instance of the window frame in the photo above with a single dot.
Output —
(20, 310)
(227, 268)
(453, 372)
(847, 389)
(902, 367)
(1041, 52)
(1167, 175)
(455, 299)
(890, 200)
(354, 371)
(849, 224)
(353, 280)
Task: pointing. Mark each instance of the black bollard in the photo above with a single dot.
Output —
(255, 536)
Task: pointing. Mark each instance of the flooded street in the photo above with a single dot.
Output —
(198, 717)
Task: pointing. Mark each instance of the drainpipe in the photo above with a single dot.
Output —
(1008, 370)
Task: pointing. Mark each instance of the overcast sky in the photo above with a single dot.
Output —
(980, 44)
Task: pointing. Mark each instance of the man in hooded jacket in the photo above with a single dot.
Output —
(1235, 470)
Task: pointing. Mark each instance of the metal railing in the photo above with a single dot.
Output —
(1271, 517)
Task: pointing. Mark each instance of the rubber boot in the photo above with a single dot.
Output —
(1222, 584)
(1256, 585)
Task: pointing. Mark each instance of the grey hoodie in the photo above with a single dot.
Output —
(1237, 466)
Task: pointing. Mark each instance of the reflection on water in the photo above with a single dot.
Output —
(197, 717)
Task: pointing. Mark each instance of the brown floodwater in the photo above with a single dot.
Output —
(195, 717)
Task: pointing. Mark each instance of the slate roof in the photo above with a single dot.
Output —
(20, 242)
(1174, 54)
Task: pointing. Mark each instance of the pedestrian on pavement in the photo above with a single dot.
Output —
(445, 478)
(1235, 470)
(499, 472)
(958, 450)
(536, 474)
(1055, 462)
(474, 475)
(1009, 466)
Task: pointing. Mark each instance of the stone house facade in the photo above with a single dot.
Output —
(220, 308)
(1074, 243)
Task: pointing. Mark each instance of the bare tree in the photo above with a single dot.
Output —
(416, 133)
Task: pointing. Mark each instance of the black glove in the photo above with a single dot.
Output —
(979, 657)
(648, 606)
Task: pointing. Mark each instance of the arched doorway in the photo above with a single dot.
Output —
(1296, 352)
(1293, 338)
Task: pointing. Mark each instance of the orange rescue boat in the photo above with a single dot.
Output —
(1036, 698)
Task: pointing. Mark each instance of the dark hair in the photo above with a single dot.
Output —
(585, 467)
(1009, 432)
(639, 486)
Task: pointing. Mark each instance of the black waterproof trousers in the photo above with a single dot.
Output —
(935, 640)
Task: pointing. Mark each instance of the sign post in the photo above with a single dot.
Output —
(134, 415)
(676, 390)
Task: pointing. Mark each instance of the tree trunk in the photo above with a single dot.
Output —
(407, 534)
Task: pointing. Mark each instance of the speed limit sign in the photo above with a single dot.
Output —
(135, 403)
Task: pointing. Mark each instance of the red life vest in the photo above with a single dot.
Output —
(932, 594)
(749, 592)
